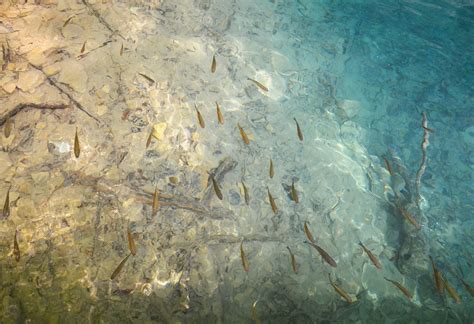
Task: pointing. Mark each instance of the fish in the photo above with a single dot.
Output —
(298, 130)
(340, 291)
(272, 172)
(16, 247)
(121, 50)
(131, 242)
(293, 260)
(216, 188)
(213, 64)
(468, 288)
(452, 292)
(148, 141)
(438, 278)
(243, 135)
(324, 255)
(156, 203)
(409, 217)
(308, 233)
(220, 118)
(119, 268)
(254, 313)
(272, 202)
(147, 78)
(77, 148)
(401, 287)
(258, 84)
(200, 119)
(372, 257)
(6, 206)
(431, 130)
(83, 47)
(246, 193)
(8, 127)
(388, 166)
(294, 193)
(67, 21)
(245, 261)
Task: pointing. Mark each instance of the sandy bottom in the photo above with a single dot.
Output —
(118, 71)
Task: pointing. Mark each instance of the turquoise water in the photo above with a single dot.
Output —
(127, 78)
(405, 58)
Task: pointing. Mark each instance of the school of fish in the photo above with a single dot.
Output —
(441, 283)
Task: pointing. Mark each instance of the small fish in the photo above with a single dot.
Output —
(216, 188)
(401, 287)
(254, 313)
(246, 193)
(213, 64)
(340, 291)
(220, 118)
(431, 130)
(468, 288)
(272, 172)
(245, 261)
(298, 130)
(77, 148)
(308, 233)
(16, 247)
(258, 84)
(452, 292)
(243, 135)
(200, 119)
(8, 127)
(324, 254)
(131, 242)
(294, 193)
(119, 268)
(6, 206)
(147, 78)
(409, 217)
(156, 203)
(121, 50)
(372, 257)
(388, 166)
(83, 47)
(293, 260)
(438, 278)
(272, 202)
(67, 21)
(148, 141)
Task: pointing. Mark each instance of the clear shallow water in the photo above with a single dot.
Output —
(356, 76)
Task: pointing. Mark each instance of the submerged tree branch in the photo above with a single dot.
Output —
(24, 106)
(421, 170)
(67, 94)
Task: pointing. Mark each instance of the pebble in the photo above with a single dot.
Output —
(29, 80)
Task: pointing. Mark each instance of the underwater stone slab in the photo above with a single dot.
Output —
(72, 73)
(29, 80)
